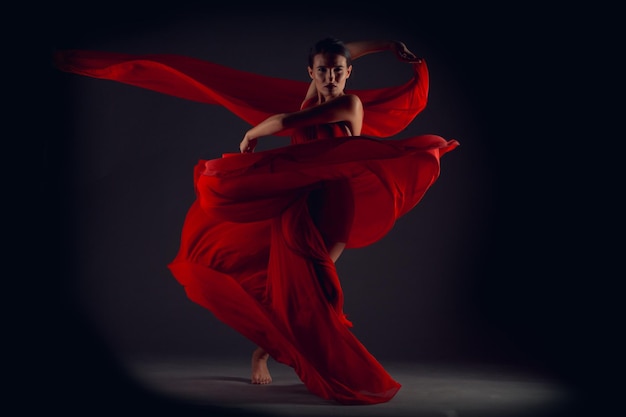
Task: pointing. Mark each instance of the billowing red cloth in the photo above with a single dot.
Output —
(253, 246)
(250, 96)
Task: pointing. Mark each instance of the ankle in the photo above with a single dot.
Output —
(260, 354)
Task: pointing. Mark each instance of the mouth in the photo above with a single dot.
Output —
(331, 86)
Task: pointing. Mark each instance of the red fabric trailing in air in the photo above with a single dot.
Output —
(251, 250)
(252, 97)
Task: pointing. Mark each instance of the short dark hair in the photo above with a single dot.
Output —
(329, 45)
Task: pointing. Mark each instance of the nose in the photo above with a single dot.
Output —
(331, 76)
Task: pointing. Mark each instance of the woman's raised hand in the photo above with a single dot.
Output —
(404, 54)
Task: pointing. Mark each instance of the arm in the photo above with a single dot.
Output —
(346, 108)
(361, 48)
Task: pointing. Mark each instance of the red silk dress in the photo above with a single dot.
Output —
(253, 245)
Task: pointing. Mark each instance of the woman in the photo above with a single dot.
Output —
(327, 112)
(259, 244)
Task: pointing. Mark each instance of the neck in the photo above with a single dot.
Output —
(322, 98)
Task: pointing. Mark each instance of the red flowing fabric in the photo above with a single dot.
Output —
(250, 96)
(251, 250)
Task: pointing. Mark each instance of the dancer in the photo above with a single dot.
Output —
(259, 244)
(326, 112)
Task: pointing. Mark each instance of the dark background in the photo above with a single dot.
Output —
(494, 266)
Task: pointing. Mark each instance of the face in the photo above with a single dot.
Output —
(330, 72)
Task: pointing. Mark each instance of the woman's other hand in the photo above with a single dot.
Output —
(247, 145)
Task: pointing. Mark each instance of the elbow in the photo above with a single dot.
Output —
(286, 121)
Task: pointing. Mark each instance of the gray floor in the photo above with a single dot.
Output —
(427, 390)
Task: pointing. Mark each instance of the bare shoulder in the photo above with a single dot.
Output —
(351, 101)
(352, 98)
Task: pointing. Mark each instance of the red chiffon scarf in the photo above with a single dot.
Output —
(250, 96)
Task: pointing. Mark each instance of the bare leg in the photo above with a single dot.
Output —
(335, 250)
(332, 212)
(260, 372)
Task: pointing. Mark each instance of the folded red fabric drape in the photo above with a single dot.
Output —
(251, 252)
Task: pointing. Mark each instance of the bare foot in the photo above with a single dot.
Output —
(260, 372)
